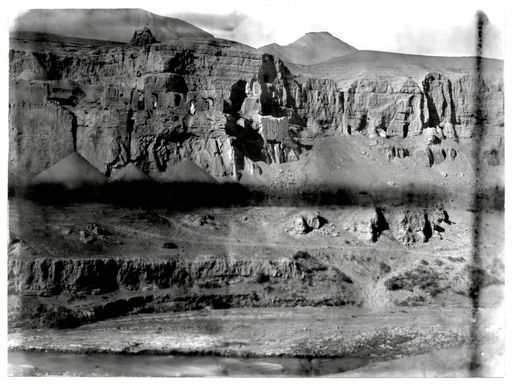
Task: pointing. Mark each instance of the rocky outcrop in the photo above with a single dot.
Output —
(409, 225)
(406, 225)
(449, 105)
(51, 276)
(175, 284)
(142, 37)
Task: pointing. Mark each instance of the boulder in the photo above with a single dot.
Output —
(438, 215)
(299, 225)
(314, 220)
(409, 225)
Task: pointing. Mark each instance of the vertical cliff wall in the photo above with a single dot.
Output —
(222, 107)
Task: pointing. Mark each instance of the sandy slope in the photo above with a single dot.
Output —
(71, 172)
(130, 173)
(186, 171)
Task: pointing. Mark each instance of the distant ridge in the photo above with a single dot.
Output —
(71, 172)
(396, 67)
(105, 24)
(44, 37)
(187, 171)
(312, 48)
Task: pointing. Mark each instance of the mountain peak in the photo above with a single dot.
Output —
(312, 48)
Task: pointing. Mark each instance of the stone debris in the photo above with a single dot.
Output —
(283, 179)
(200, 220)
(97, 230)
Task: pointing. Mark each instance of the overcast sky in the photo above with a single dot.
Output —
(432, 27)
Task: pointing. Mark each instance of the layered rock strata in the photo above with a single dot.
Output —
(221, 106)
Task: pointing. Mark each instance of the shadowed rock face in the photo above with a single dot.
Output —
(216, 104)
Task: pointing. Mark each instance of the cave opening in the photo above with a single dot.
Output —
(405, 130)
(237, 95)
(140, 101)
(362, 122)
(74, 128)
(130, 123)
(177, 99)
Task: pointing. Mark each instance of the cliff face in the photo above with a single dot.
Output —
(408, 108)
(221, 106)
(152, 106)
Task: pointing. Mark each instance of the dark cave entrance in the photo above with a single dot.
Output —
(237, 95)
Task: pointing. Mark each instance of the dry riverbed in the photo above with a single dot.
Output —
(368, 338)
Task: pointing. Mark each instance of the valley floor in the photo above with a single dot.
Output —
(236, 283)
